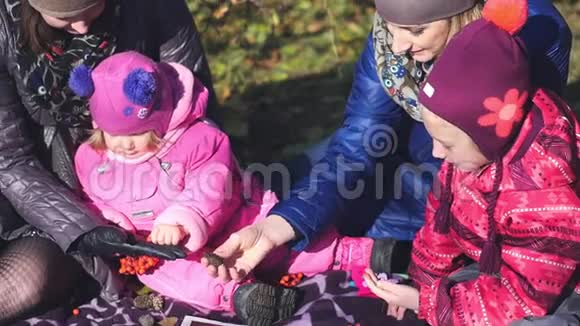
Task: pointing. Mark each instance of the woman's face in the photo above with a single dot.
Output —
(78, 24)
(422, 42)
(452, 144)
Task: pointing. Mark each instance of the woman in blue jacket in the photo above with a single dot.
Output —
(382, 140)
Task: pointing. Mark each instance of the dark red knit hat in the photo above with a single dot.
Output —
(481, 83)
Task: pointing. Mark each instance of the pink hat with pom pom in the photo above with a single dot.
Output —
(131, 94)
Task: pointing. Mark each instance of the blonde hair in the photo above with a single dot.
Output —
(97, 140)
(459, 21)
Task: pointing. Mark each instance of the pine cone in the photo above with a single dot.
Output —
(143, 302)
(157, 302)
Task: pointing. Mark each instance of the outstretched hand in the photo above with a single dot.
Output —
(245, 249)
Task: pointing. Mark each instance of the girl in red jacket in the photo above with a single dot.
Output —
(508, 199)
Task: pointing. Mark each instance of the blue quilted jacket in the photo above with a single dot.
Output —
(363, 191)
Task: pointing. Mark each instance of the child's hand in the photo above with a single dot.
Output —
(404, 296)
(166, 234)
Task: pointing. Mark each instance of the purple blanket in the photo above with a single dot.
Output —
(328, 300)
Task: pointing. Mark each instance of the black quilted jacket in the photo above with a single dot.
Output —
(37, 181)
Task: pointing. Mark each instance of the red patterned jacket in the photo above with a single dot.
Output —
(538, 220)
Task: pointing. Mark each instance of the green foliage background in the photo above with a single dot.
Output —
(282, 68)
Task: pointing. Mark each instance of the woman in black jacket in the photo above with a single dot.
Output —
(42, 220)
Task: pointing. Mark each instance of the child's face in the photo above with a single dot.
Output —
(129, 146)
(452, 144)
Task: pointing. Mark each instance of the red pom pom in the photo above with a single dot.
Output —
(509, 15)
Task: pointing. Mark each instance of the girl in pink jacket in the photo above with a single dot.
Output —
(154, 165)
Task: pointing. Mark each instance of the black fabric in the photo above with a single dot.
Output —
(390, 255)
(401, 256)
(35, 275)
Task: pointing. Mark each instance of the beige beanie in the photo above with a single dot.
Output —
(417, 12)
(62, 8)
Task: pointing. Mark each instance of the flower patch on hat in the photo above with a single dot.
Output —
(143, 113)
(504, 114)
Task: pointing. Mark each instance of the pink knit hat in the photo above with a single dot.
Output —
(131, 94)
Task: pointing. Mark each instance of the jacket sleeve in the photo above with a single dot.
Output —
(548, 40)
(181, 43)
(36, 194)
(533, 274)
(434, 256)
(211, 192)
(318, 199)
(85, 159)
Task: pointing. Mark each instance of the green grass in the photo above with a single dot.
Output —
(571, 12)
(283, 68)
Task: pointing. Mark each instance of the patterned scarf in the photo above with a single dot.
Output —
(400, 75)
(44, 77)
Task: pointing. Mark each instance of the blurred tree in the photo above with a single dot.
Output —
(251, 42)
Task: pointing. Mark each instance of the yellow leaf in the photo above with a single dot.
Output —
(144, 290)
(221, 11)
(315, 27)
(225, 93)
(169, 321)
(275, 18)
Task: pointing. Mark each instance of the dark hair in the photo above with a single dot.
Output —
(36, 34)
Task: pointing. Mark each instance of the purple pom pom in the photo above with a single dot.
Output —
(80, 81)
(140, 87)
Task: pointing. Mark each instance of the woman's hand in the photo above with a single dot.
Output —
(403, 296)
(245, 249)
(166, 234)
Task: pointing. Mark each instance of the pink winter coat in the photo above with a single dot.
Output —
(192, 181)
